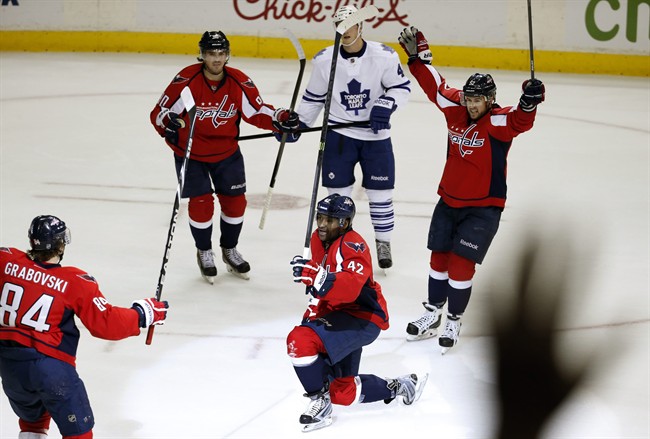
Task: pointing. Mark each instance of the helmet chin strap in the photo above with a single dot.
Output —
(355, 40)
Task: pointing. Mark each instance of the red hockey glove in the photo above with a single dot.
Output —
(415, 45)
(151, 311)
(315, 276)
(171, 122)
(286, 121)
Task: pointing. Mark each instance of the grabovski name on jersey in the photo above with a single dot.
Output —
(359, 80)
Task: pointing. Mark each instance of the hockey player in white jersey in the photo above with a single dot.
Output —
(369, 85)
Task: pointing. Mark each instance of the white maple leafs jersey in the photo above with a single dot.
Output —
(359, 80)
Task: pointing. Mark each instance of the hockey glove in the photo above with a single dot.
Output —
(532, 94)
(291, 137)
(380, 113)
(318, 280)
(151, 311)
(286, 121)
(415, 45)
(171, 122)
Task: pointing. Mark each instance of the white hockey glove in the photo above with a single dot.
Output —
(415, 45)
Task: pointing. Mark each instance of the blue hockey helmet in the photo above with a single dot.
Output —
(213, 40)
(47, 232)
(480, 84)
(337, 206)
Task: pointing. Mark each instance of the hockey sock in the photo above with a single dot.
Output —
(200, 210)
(202, 237)
(313, 376)
(382, 214)
(438, 284)
(374, 389)
(459, 294)
(229, 233)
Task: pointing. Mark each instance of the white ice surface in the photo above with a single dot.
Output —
(75, 141)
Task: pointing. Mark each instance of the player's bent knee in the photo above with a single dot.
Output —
(303, 342)
(346, 390)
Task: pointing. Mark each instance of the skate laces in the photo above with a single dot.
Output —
(452, 328)
(383, 250)
(207, 258)
(428, 318)
(407, 387)
(234, 257)
(317, 406)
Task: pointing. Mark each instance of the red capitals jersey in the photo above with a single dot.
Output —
(354, 290)
(477, 150)
(38, 303)
(219, 110)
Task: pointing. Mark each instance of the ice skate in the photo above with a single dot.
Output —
(450, 337)
(425, 326)
(409, 387)
(384, 257)
(319, 412)
(235, 263)
(205, 259)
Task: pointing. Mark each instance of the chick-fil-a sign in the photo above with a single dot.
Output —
(314, 10)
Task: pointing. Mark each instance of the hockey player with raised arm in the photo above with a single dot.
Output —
(39, 299)
(346, 312)
(224, 96)
(369, 85)
(473, 185)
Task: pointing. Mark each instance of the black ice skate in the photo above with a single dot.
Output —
(235, 263)
(319, 412)
(205, 259)
(384, 257)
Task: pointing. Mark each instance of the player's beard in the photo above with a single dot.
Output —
(215, 68)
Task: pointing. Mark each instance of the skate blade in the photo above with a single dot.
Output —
(443, 349)
(209, 279)
(424, 336)
(317, 425)
(237, 273)
(419, 388)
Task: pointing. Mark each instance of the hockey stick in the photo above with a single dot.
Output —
(190, 107)
(359, 123)
(355, 18)
(283, 140)
(530, 41)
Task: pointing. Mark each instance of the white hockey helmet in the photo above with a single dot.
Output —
(342, 13)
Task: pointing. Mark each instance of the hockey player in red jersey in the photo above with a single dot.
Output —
(39, 299)
(346, 311)
(473, 185)
(224, 96)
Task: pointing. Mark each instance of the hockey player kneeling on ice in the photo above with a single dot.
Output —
(224, 96)
(473, 185)
(38, 335)
(346, 312)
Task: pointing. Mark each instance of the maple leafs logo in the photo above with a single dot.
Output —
(355, 99)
